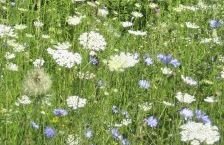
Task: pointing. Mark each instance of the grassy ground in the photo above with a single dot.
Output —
(166, 33)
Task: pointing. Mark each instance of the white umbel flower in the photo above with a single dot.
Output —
(122, 61)
(76, 102)
(6, 31)
(137, 33)
(24, 100)
(204, 133)
(185, 98)
(64, 57)
(188, 80)
(126, 24)
(38, 62)
(92, 41)
(191, 25)
(74, 20)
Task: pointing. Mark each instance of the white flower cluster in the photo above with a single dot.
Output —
(63, 57)
(86, 75)
(199, 133)
(185, 98)
(6, 31)
(74, 20)
(76, 102)
(122, 61)
(137, 33)
(16, 46)
(92, 41)
(24, 100)
(188, 80)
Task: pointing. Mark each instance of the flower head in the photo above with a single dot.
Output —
(92, 41)
(60, 112)
(37, 82)
(49, 132)
(151, 121)
(144, 84)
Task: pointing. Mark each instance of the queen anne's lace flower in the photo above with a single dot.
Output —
(122, 61)
(92, 41)
(63, 57)
(75, 102)
(203, 133)
(6, 31)
(185, 97)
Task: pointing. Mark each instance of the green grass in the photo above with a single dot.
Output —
(166, 33)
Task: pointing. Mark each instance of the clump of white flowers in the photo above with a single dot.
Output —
(198, 132)
(92, 41)
(137, 33)
(188, 80)
(126, 24)
(86, 75)
(122, 61)
(185, 98)
(63, 57)
(191, 25)
(6, 31)
(76, 102)
(38, 63)
(74, 20)
(24, 100)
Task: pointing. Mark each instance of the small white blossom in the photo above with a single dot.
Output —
(185, 98)
(126, 24)
(188, 80)
(76, 102)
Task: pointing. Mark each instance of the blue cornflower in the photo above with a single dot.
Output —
(34, 125)
(166, 59)
(125, 141)
(144, 84)
(201, 116)
(148, 61)
(186, 113)
(94, 60)
(116, 134)
(151, 121)
(49, 132)
(215, 23)
(60, 112)
(175, 63)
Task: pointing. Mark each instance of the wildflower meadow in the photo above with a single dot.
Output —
(111, 72)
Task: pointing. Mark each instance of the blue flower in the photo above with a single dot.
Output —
(148, 61)
(166, 59)
(144, 84)
(34, 125)
(49, 132)
(201, 116)
(215, 23)
(125, 141)
(186, 113)
(175, 63)
(116, 134)
(151, 121)
(60, 112)
(94, 60)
